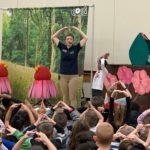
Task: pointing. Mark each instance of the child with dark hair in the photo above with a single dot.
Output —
(72, 114)
(21, 119)
(8, 100)
(64, 116)
(61, 119)
(88, 145)
(78, 127)
(85, 141)
(98, 103)
(93, 117)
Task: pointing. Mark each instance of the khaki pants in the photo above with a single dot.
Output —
(69, 86)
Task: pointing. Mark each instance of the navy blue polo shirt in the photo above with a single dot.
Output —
(69, 59)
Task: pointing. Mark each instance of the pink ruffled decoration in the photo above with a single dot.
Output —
(110, 80)
(42, 89)
(125, 74)
(141, 82)
(5, 85)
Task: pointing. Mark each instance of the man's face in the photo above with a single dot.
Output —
(69, 41)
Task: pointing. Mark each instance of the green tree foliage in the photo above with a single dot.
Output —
(27, 35)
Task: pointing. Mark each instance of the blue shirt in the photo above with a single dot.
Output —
(69, 59)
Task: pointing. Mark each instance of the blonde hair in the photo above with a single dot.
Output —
(91, 118)
(119, 113)
(104, 133)
(126, 130)
(111, 89)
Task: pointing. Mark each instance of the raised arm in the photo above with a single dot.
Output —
(55, 38)
(83, 36)
(99, 115)
(9, 113)
(125, 88)
(103, 66)
(142, 116)
(43, 138)
(24, 141)
(31, 117)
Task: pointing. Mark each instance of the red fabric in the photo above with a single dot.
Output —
(3, 71)
(107, 105)
(42, 73)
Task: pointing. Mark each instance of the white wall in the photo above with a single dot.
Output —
(131, 17)
(117, 22)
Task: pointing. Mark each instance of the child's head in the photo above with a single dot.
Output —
(61, 119)
(20, 120)
(125, 129)
(36, 147)
(79, 126)
(91, 118)
(126, 145)
(97, 101)
(104, 134)
(46, 127)
(89, 145)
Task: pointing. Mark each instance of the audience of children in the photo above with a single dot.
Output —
(109, 124)
(62, 127)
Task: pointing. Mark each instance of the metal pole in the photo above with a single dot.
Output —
(92, 41)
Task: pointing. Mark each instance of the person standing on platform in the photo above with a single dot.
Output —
(69, 63)
(99, 76)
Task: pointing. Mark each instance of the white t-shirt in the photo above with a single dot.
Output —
(99, 77)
